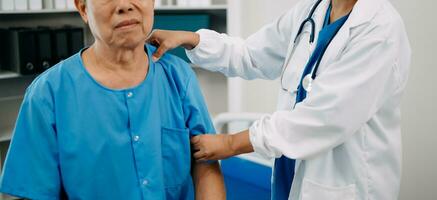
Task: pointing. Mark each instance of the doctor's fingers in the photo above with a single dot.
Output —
(195, 148)
(196, 139)
(165, 40)
(196, 145)
(203, 155)
(160, 51)
(198, 155)
(158, 40)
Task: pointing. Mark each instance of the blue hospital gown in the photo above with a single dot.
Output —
(77, 138)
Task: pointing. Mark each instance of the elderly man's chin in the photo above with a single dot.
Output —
(130, 40)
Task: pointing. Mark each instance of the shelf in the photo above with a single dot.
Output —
(12, 98)
(6, 75)
(6, 134)
(13, 86)
(162, 8)
(44, 11)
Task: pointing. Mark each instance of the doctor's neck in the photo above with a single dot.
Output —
(341, 8)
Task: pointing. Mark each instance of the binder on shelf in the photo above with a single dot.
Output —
(44, 49)
(59, 44)
(21, 5)
(7, 5)
(75, 39)
(60, 4)
(3, 49)
(35, 4)
(22, 54)
(48, 4)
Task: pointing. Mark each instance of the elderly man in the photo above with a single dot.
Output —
(108, 123)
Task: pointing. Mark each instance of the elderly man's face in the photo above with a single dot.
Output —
(118, 23)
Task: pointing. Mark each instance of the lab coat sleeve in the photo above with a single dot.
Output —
(31, 168)
(344, 97)
(262, 55)
(196, 114)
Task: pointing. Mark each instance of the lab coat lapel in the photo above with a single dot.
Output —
(338, 43)
(363, 11)
(336, 47)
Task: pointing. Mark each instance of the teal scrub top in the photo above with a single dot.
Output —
(75, 138)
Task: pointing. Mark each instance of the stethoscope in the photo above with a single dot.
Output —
(307, 80)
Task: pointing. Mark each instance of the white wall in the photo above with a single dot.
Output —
(419, 103)
(258, 13)
(260, 95)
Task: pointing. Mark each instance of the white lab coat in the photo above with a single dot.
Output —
(346, 135)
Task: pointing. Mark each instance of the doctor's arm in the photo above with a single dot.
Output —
(344, 97)
(262, 55)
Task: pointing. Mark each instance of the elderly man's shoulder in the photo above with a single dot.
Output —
(174, 66)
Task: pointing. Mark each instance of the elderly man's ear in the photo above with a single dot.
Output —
(81, 7)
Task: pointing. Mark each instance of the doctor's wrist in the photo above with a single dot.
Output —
(190, 40)
(240, 143)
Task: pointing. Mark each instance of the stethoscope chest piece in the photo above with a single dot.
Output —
(307, 83)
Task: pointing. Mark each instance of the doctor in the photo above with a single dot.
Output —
(343, 66)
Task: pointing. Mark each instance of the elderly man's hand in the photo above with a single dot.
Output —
(220, 146)
(168, 40)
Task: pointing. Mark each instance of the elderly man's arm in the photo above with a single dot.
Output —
(208, 181)
(207, 176)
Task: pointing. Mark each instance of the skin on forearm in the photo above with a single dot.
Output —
(240, 143)
(208, 181)
(191, 39)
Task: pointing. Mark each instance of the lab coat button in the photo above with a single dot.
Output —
(145, 182)
(136, 138)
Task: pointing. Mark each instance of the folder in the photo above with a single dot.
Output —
(7, 5)
(22, 45)
(35, 4)
(21, 5)
(44, 49)
(60, 4)
(48, 4)
(59, 44)
(183, 2)
(3, 49)
(75, 39)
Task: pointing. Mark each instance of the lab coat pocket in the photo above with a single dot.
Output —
(175, 156)
(315, 191)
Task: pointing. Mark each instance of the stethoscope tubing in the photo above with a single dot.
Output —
(311, 41)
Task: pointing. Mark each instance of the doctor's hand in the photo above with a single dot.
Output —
(167, 40)
(220, 146)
